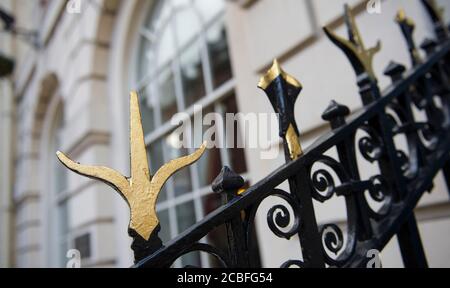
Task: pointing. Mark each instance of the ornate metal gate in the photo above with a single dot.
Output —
(404, 175)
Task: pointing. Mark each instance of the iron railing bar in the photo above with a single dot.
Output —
(227, 212)
(401, 211)
(371, 110)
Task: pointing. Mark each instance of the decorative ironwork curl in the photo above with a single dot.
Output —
(333, 242)
(279, 216)
(206, 248)
(379, 192)
(429, 137)
(332, 238)
(290, 263)
(377, 188)
(322, 181)
(371, 146)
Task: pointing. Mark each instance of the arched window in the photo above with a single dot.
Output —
(57, 212)
(184, 60)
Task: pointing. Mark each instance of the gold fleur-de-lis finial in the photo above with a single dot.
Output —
(360, 57)
(407, 26)
(402, 18)
(283, 90)
(141, 190)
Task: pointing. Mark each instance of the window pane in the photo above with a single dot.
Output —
(186, 218)
(166, 47)
(83, 244)
(210, 164)
(167, 97)
(218, 236)
(211, 202)
(181, 179)
(156, 160)
(209, 9)
(191, 260)
(60, 172)
(63, 230)
(147, 109)
(155, 14)
(236, 155)
(180, 3)
(192, 74)
(146, 58)
(164, 233)
(187, 26)
(219, 54)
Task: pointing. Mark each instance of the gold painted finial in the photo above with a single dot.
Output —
(439, 10)
(407, 26)
(283, 102)
(402, 18)
(293, 142)
(273, 73)
(354, 48)
(141, 190)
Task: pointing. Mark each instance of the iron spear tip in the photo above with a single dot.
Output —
(273, 73)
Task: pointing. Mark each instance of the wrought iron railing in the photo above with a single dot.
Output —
(405, 173)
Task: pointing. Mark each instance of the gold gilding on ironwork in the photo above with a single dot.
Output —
(401, 18)
(274, 72)
(293, 141)
(241, 191)
(439, 11)
(355, 45)
(141, 190)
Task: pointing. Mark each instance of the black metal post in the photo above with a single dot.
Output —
(227, 184)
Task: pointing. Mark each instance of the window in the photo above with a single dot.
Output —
(83, 244)
(58, 215)
(183, 60)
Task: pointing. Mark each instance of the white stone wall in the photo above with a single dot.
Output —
(69, 68)
(6, 153)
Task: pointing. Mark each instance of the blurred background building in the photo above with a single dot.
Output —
(69, 92)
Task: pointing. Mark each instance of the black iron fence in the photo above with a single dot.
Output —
(415, 106)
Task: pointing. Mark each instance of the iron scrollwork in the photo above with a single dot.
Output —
(405, 172)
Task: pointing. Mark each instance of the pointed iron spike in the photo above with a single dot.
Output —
(227, 180)
(140, 192)
(394, 68)
(273, 73)
(282, 91)
(353, 31)
(436, 13)
(407, 26)
(335, 110)
(402, 18)
(140, 172)
(354, 48)
(428, 45)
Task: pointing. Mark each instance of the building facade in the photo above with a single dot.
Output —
(70, 88)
